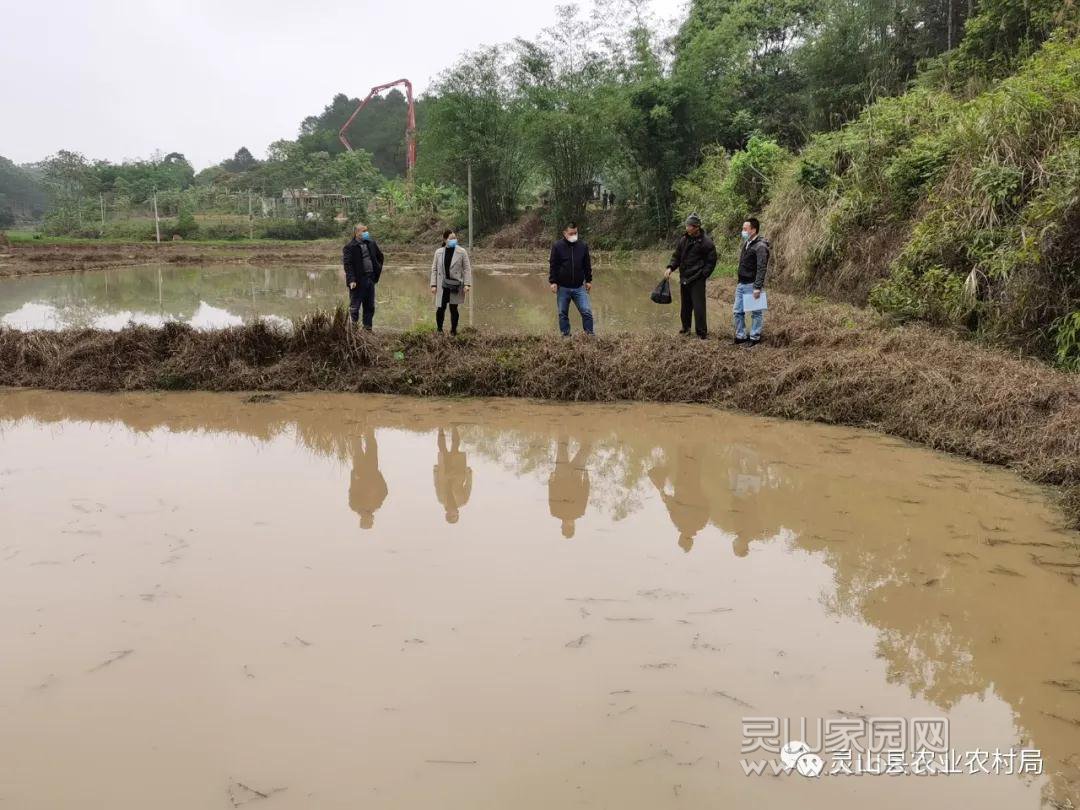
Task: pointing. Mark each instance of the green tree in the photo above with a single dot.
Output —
(737, 59)
(69, 176)
(655, 128)
(352, 173)
(560, 77)
(242, 161)
(22, 194)
(474, 116)
(1002, 33)
(726, 189)
(379, 129)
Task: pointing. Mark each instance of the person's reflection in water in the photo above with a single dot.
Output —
(568, 486)
(687, 504)
(367, 489)
(453, 476)
(746, 513)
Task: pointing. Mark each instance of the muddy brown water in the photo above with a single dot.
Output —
(508, 297)
(320, 601)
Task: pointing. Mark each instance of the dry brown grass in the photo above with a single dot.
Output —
(823, 362)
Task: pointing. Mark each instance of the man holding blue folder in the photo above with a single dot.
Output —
(753, 262)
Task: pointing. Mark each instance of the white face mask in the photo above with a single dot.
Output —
(572, 239)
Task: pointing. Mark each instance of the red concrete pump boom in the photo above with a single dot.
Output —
(410, 122)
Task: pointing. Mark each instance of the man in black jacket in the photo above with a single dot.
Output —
(570, 277)
(753, 263)
(695, 259)
(363, 263)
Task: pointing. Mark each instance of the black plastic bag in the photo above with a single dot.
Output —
(662, 293)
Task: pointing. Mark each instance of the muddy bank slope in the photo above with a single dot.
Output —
(824, 362)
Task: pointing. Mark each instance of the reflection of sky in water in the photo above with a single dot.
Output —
(46, 316)
(33, 316)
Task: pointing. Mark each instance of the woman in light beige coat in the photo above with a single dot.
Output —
(451, 280)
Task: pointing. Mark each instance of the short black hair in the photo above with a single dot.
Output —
(569, 225)
(754, 223)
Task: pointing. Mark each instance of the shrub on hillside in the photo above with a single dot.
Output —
(725, 189)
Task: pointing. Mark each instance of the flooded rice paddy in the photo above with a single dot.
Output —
(215, 601)
(512, 297)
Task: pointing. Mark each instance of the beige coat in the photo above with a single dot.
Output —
(460, 268)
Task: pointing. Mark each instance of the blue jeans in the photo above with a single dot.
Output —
(757, 319)
(580, 297)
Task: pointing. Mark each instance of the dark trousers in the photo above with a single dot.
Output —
(440, 313)
(362, 296)
(692, 303)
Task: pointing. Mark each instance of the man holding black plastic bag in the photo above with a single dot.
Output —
(695, 259)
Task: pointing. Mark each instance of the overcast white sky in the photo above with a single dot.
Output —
(119, 79)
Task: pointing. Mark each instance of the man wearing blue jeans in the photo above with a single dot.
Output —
(753, 262)
(570, 277)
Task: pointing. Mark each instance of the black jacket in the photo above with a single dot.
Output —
(694, 258)
(570, 264)
(353, 260)
(753, 262)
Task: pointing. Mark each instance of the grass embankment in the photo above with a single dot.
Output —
(824, 362)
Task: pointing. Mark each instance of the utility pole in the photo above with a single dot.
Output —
(101, 199)
(470, 205)
(251, 219)
(949, 44)
(157, 222)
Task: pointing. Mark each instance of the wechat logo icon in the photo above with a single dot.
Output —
(797, 754)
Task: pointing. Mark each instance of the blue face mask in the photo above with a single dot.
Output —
(451, 243)
(746, 236)
(365, 236)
